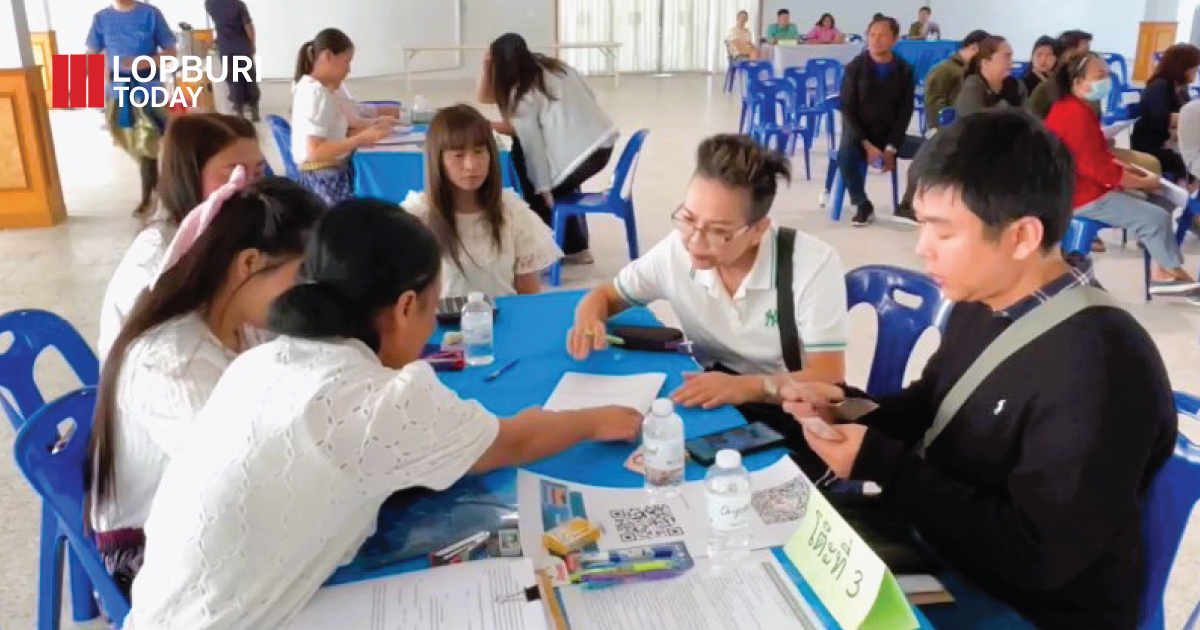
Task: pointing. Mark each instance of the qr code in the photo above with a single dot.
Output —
(651, 522)
(782, 504)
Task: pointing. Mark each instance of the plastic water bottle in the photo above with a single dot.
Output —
(727, 497)
(477, 330)
(662, 449)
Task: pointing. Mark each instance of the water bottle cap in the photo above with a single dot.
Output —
(729, 458)
(662, 407)
(475, 296)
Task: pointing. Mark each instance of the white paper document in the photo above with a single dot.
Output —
(583, 391)
(1115, 129)
(1176, 194)
(480, 595)
(755, 594)
(630, 517)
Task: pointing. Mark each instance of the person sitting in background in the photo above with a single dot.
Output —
(877, 105)
(717, 271)
(326, 124)
(1041, 63)
(1164, 95)
(1189, 137)
(228, 261)
(1033, 487)
(1071, 45)
(924, 28)
(199, 151)
(945, 79)
(825, 32)
(1102, 182)
(989, 81)
(782, 29)
(491, 241)
(562, 137)
(740, 41)
(305, 437)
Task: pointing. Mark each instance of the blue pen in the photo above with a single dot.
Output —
(504, 368)
(628, 555)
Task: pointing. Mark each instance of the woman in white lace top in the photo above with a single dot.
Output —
(307, 435)
(491, 240)
(229, 259)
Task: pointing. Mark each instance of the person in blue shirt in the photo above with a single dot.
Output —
(126, 30)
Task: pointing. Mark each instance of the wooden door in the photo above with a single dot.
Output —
(1153, 37)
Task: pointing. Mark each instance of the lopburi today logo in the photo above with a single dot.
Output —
(79, 79)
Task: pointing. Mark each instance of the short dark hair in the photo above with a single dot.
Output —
(782, 12)
(1006, 166)
(739, 162)
(1072, 38)
(1046, 40)
(890, 21)
(975, 37)
(924, 10)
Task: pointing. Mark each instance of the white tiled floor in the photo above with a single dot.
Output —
(65, 269)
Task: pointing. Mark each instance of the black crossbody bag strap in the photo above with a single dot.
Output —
(789, 335)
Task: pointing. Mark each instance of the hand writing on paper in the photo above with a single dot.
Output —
(839, 455)
(710, 390)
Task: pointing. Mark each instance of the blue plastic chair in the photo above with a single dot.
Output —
(34, 332)
(1175, 489)
(808, 109)
(919, 106)
(51, 451)
(771, 113)
(617, 200)
(947, 116)
(751, 72)
(831, 70)
(1080, 235)
(1019, 68)
(731, 74)
(1116, 108)
(854, 38)
(281, 130)
(900, 326)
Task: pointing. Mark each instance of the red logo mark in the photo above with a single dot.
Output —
(78, 81)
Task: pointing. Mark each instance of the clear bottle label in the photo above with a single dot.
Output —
(663, 454)
(728, 513)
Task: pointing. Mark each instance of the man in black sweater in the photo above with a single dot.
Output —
(877, 105)
(1034, 488)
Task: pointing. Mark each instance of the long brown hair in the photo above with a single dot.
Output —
(188, 144)
(457, 128)
(275, 217)
(1176, 62)
(516, 70)
(988, 47)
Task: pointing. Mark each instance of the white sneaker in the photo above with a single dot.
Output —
(823, 199)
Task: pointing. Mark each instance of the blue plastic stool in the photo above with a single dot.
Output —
(900, 326)
(35, 331)
(833, 179)
(281, 131)
(617, 201)
(1173, 493)
(1080, 235)
(51, 451)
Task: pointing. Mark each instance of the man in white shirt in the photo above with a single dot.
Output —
(719, 271)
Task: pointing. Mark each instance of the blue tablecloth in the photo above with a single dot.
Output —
(392, 174)
(925, 55)
(533, 329)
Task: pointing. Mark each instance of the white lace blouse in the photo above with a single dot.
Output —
(303, 441)
(526, 246)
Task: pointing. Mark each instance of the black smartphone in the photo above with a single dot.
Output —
(747, 439)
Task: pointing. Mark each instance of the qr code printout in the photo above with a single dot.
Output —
(784, 503)
(651, 522)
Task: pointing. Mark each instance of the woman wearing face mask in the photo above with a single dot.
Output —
(1041, 63)
(1165, 94)
(199, 152)
(230, 258)
(1102, 181)
(327, 125)
(313, 431)
(491, 241)
(987, 81)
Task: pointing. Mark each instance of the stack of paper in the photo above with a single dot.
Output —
(585, 391)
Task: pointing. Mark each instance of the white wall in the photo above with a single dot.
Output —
(1114, 23)
(379, 28)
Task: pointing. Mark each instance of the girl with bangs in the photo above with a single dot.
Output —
(491, 240)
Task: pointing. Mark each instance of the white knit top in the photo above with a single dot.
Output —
(134, 275)
(526, 246)
(302, 443)
(167, 376)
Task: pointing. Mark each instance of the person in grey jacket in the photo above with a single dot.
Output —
(561, 135)
(988, 81)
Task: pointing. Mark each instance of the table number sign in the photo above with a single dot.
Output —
(848, 577)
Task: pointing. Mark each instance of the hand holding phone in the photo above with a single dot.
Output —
(821, 429)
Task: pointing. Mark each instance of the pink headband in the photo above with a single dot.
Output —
(198, 220)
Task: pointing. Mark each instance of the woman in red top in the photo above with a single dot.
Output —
(1105, 189)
